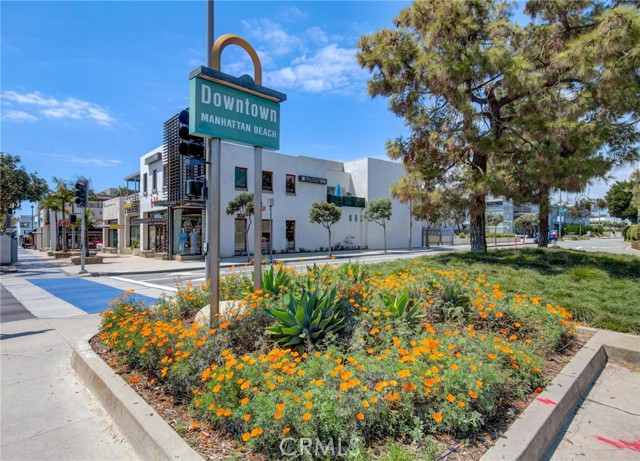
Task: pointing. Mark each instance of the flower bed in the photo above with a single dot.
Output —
(337, 354)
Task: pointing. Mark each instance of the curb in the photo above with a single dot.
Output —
(534, 432)
(146, 431)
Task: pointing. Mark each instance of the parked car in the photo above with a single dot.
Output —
(551, 237)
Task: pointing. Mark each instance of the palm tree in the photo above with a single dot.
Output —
(65, 195)
(51, 203)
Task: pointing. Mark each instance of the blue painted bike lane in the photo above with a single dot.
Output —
(91, 297)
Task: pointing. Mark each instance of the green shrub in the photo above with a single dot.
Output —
(632, 233)
(306, 320)
(402, 308)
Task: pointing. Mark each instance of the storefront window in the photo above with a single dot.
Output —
(187, 231)
(134, 236)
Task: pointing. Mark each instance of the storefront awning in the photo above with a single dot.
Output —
(156, 221)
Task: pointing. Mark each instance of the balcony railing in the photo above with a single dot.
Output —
(346, 200)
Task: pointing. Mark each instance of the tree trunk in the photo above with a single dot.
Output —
(478, 206)
(543, 222)
(64, 229)
(329, 229)
(384, 230)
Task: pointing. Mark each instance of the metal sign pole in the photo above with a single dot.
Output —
(213, 225)
(83, 228)
(257, 213)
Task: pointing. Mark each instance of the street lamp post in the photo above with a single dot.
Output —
(271, 202)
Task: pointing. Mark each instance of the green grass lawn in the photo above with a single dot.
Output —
(601, 290)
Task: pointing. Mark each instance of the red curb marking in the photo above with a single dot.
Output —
(621, 444)
(547, 401)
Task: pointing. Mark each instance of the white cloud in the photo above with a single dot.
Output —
(272, 36)
(293, 14)
(18, 116)
(35, 98)
(330, 69)
(70, 108)
(97, 162)
(316, 34)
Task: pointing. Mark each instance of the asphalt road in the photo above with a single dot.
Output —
(10, 308)
(603, 245)
(175, 280)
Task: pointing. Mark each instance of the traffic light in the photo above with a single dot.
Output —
(190, 146)
(81, 194)
(195, 189)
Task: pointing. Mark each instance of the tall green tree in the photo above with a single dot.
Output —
(620, 201)
(526, 223)
(494, 220)
(326, 214)
(17, 185)
(464, 78)
(242, 206)
(64, 195)
(635, 190)
(409, 190)
(379, 211)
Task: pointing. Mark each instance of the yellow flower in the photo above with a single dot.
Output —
(306, 416)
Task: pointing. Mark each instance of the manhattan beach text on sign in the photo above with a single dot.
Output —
(236, 106)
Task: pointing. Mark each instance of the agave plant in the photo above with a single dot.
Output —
(306, 320)
(354, 271)
(275, 281)
(402, 308)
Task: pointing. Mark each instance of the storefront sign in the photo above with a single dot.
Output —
(312, 179)
(227, 113)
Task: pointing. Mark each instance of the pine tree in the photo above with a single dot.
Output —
(467, 80)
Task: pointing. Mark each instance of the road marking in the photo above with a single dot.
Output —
(145, 284)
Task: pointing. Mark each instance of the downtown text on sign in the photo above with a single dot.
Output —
(219, 111)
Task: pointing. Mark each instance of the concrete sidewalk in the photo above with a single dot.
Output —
(47, 411)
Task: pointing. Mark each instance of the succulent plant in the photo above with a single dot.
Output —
(307, 319)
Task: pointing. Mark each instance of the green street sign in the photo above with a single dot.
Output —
(219, 111)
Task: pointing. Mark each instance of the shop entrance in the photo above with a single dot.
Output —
(266, 237)
(158, 238)
(240, 241)
(291, 235)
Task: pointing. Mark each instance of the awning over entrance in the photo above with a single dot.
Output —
(154, 221)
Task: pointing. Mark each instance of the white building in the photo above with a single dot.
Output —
(175, 229)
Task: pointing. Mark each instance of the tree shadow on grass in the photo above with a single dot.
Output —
(549, 261)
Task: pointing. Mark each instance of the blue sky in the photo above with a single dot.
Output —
(86, 86)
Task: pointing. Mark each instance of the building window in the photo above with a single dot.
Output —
(144, 183)
(350, 217)
(241, 178)
(267, 181)
(291, 184)
(154, 181)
